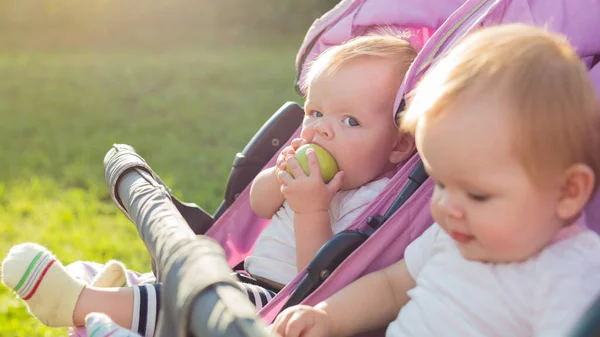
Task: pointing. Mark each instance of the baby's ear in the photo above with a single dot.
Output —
(403, 148)
(576, 190)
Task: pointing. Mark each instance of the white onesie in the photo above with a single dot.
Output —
(542, 296)
(274, 255)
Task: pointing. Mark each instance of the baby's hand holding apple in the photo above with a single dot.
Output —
(327, 166)
(307, 192)
(287, 151)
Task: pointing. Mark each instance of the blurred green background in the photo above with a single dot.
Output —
(187, 83)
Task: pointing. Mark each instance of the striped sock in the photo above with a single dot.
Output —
(146, 305)
(99, 325)
(43, 283)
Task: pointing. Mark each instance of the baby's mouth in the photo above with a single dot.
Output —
(461, 237)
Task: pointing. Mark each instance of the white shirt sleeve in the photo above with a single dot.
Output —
(565, 291)
(419, 251)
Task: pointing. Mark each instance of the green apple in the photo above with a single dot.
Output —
(326, 161)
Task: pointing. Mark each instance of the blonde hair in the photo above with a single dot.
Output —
(556, 120)
(387, 45)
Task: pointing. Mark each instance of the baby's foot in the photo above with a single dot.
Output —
(43, 283)
(112, 274)
(99, 325)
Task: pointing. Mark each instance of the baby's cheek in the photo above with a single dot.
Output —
(304, 130)
(307, 132)
(497, 238)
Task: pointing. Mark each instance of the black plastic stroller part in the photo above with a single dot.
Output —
(327, 259)
(416, 178)
(336, 250)
(589, 324)
(198, 220)
(261, 148)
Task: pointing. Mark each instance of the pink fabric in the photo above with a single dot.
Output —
(593, 213)
(469, 15)
(593, 209)
(417, 19)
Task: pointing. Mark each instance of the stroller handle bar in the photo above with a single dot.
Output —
(200, 295)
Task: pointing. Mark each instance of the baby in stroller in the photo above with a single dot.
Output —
(351, 91)
(506, 125)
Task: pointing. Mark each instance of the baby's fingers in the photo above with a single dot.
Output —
(284, 153)
(314, 170)
(297, 142)
(280, 324)
(288, 150)
(336, 183)
(299, 324)
(283, 158)
(294, 166)
(285, 179)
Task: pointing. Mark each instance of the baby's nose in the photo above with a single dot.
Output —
(324, 129)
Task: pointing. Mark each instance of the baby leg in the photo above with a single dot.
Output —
(58, 299)
(135, 307)
(117, 303)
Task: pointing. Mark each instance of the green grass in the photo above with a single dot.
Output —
(186, 112)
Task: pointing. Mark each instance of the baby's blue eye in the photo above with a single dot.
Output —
(351, 121)
(316, 114)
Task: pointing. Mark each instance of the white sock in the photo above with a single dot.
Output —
(100, 325)
(112, 274)
(43, 283)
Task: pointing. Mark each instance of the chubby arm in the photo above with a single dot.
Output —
(309, 197)
(312, 230)
(265, 193)
(367, 304)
